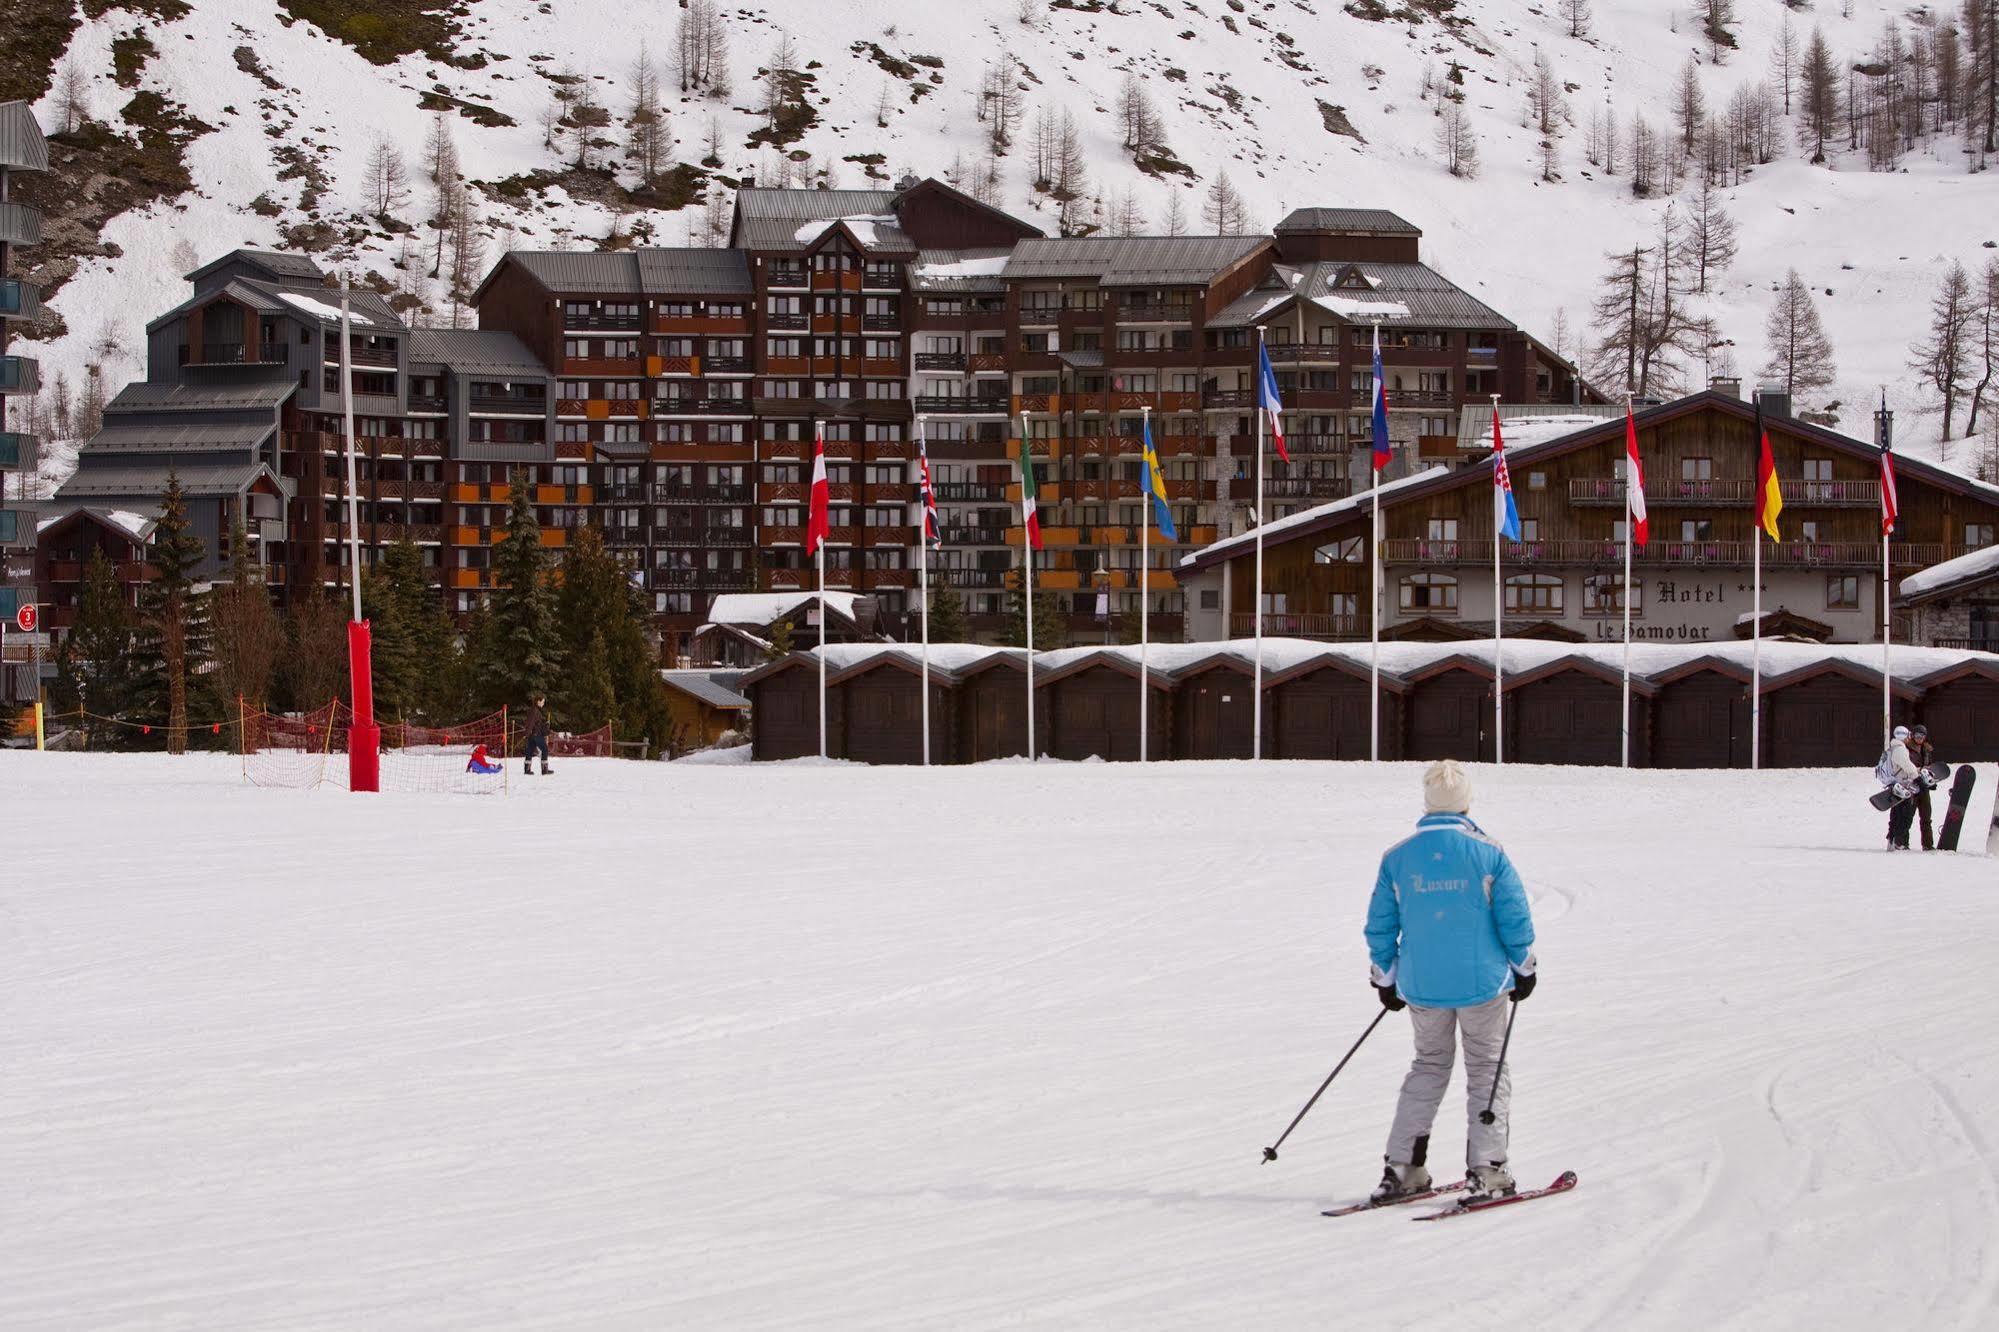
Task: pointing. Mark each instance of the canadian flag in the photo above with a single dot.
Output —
(1634, 478)
(819, 526)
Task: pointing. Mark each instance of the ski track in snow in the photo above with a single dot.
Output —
(797, 1047)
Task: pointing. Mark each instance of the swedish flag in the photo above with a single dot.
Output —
(1155, 487)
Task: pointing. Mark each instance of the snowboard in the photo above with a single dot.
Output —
(1886, 799)
(1960, 796)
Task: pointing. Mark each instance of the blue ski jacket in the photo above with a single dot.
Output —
(1449, 924)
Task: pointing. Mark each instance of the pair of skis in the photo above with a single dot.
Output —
(1563, 1183)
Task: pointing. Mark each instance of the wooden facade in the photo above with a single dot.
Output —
(880, 712)
(1961, 708)
(1700, 717)
(1826, 717)
(784, 708)
(1320, 711)
(1093, 710)
(1568, 713)
(990, 711)
(1214, 710)
(1447, 712)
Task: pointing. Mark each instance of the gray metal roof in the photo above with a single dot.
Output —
(372, 313)
(262, 394)
(491, 351)
(1378, 221)
(924, 274)
(281, 265)
(22, 147)
(122, 435)
(148, 481)
(770, 220)
(1131, 260)
(695, 272)
(1433, 300)
(708, 686)
(592, 272)
(1081, 360)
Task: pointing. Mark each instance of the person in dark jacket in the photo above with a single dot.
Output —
(537, 741)
(1922, 753)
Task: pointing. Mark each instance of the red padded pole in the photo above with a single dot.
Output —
(364, 739)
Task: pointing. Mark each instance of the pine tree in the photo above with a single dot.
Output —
(247, 635)
(1174, 222)
(313, 671)
(1051, 618)
(648, 133)
(1800, 353)
(1709, 246)
(518, 649)
(172, 644)
(1786, 55)
(1943, 357)
(1689, 105)
(1576, 13)
(948, 623)
(1716, 16)
(413, 652)
(1457, 144)
(94, 666)
(1818, 97)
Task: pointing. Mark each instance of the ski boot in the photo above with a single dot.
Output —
(1486, 1182)
(1398, 1180)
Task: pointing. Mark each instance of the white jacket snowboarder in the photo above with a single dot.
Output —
(1899, 772)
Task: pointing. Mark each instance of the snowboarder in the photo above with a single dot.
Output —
(1454, 958)
(537, 741)
(1922, 753)
(1897, 770)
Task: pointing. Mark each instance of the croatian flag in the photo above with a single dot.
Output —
(1634, 479)
(931, 532)
(1506, 515)
(820, 525)
(1266, 398)
(1380, 406)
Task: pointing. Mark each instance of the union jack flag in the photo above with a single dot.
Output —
(931, 531)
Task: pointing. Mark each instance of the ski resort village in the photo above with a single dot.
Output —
(886, 665)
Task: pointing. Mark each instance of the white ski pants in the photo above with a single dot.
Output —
(1437, 1031)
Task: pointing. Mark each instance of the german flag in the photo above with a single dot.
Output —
(1769, 496)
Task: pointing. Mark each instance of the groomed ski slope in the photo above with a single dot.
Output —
(649, 1046)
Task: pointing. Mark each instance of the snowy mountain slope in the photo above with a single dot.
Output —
(280, 1059)
(1241, 85)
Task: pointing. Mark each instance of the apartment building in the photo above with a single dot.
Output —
(21, 149)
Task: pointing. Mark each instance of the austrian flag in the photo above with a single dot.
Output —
(820, 523)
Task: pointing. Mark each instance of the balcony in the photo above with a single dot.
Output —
(603, 323)
(787, 275)
(230, 353)
(1040, 315)
(784, 321)
(1421, 398)
(1721, 554)
(973, 492)
(427, 402)
(949, 361)
(1330, 627)
(876, 323)
(20, 300)
(624, 537)
(958, 404)
(509, 404)
(1228, 398)
(19, 374)
(622, 492)
(381, 357)
(728, 536)
(975, 536)
(726, 365)
(17, 451)
(986, 363)
(20, 225)
(1155, 314)
(674, 492)
(1306, 487)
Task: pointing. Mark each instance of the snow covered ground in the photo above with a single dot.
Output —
(808, 1047)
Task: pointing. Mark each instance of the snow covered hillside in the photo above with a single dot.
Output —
(273, 111)
(622, 1050)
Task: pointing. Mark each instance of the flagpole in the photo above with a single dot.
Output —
(1498, 608)
(1887, 629)
(1027, 584)
(1756, 652)
(1374, 586)
(1624, 595)
(923, 579)
(1256, 686)
(1145, 591)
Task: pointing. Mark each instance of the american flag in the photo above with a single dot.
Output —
(931, 532)
(1888, 509)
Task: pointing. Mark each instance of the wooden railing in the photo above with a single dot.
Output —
(1242, 624)
(1732, 554)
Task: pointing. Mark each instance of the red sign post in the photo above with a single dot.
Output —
(27, 617)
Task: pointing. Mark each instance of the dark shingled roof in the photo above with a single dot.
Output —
(1375, 220)
(1433, 300)
(696, 272)
(1131, 260)
(145, 480)
(279, 264)
(123, 435)
(371, 313)
(592, 272)
(650, 272)
(144, 397)
(770, 220)
(922, 280)
(482, 349)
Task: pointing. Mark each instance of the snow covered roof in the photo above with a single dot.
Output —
(322, 310)
(777, 220)
(1938, 580)
(960, 270)
(1393, 293)
(762, 608)
(1527, 423)
(1244, 541)
(137, 526)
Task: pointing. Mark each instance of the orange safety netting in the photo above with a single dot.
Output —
(302, 751)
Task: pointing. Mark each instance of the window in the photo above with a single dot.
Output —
(1429, 594)
(1808, 530)
(1696, 529)
(1530, 529)
(1352, 550)
(1696, 469)
(1842, 592)
(1977, 535)
(1443, 529)
(1210, 599)
(1537, 480)
(1818, 469)
(1603, 594)
(1534, 594)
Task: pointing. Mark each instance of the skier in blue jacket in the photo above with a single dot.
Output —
(1450, 937)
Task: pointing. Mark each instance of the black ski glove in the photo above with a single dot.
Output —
(1522, 986)
(1390, 1000)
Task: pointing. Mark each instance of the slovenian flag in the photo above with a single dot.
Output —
(1506, 515)
(1266, 398)
(820, 525)
(1634, 479)
(1381, 454)
(1155, 485)
(1028, 516)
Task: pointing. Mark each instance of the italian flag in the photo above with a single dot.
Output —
(1029, 517)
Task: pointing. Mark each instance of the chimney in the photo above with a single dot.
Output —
(1773, 400)
(1728, 386)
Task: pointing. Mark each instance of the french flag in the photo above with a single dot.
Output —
(1268, 401)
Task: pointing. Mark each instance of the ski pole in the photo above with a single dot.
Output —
(1270, 1152)
(1486, 1116)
